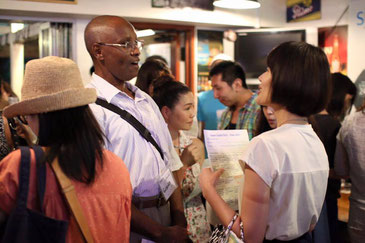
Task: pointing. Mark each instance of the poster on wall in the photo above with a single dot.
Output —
(210, 44)
(54, 1)
(302, 10)
(202, 4)
(333, 42)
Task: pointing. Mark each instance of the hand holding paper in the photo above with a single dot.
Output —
(225, 149)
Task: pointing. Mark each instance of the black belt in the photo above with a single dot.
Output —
(149, 202)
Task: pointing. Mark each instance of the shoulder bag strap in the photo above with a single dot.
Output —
(128, 117)
(71, 198)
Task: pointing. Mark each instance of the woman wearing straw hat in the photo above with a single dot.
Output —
(55, 105)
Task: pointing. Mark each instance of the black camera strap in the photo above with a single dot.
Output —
(128, 117)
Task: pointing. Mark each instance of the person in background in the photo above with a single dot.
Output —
(7, 93)
(266, 120)
(286, 169)
(6, 144)
(157, 215)
(176, 102)
(157, 57)
(150, 71)
(3, 98)
(342, 97)
(209, 108)
(230, 88)
(350, 163)
(327, 124)
(69, 132)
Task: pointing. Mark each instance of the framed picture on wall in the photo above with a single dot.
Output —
(54, 1)
(333, 41)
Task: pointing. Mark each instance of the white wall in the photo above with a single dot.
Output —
(331, 10)
(140, 10)
(132, 10)
(82, 57)
(271, 14)
(356, 50)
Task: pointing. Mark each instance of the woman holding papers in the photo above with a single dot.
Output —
(286, 169)
(176, 102)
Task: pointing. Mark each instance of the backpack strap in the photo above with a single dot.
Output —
(24, 172)
(41, 174)
(128, 117)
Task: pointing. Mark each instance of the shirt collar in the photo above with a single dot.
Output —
(108, 91)
(249, 104)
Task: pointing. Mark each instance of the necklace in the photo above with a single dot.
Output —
(178, 147)
(294, 120)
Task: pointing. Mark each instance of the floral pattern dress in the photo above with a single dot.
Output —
(196, 216)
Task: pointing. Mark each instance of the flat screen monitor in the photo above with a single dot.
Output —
(252, 48)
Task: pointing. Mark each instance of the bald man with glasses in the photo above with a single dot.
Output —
(157, 209)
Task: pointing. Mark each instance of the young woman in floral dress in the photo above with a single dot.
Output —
(176, 102)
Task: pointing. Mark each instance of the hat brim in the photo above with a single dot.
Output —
(58, 101)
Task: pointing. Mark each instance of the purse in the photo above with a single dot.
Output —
(222, 234)
(26, 225)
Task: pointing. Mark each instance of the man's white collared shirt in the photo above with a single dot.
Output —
(143, 160)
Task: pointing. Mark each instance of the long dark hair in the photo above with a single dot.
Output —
(74, 136)
(169, 93)
(341, 85)
(149, 71)
(262, 125)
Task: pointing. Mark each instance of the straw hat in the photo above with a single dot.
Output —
(51, 84)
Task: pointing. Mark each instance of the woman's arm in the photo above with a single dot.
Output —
(255, 206)
(208, 179)
(255, 203)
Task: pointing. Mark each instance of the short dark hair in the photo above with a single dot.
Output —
(149, 71)
(169, 93)
(74, 136)
(230, 72)
(341, 85)
(300, 77)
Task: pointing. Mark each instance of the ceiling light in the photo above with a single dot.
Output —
(14, 27)
(143, 33)
(237, 4)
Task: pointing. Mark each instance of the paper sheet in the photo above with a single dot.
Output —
(225, 149)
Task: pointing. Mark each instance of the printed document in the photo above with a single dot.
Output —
(225, 149)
